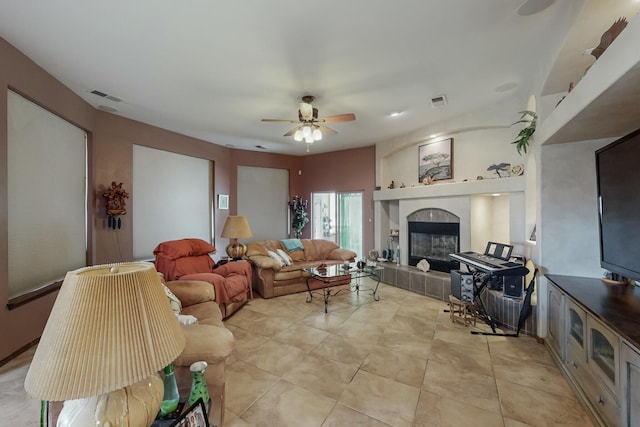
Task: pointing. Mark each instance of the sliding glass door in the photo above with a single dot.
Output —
(338, 217)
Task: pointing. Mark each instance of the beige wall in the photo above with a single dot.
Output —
(111, 146)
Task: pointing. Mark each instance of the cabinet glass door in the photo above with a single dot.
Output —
(576, 326)
(603, 354)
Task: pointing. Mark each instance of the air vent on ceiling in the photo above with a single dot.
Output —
(104, 95)
(438, 101)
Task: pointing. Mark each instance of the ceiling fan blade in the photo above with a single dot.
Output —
(291, 132)
(338, 118)
(326, 131)
(280, 120)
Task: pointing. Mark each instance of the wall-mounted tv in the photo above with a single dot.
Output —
(618, 173)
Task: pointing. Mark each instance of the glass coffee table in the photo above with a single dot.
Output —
(338, 273)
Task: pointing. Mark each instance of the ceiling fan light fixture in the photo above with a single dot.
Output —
(308, 139)
(298, 135)
(306, 132)
(316, 134)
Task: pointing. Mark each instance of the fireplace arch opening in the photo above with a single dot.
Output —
(433, 234)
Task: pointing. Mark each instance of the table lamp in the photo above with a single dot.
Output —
(236, 228)
(110, 331)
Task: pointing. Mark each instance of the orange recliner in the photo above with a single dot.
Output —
(189, 259)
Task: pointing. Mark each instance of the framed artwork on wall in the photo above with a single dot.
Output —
(223, 201)
(435, 161)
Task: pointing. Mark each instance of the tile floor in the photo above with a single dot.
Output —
(396, 362)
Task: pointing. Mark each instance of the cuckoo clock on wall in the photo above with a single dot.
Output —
(115, 197)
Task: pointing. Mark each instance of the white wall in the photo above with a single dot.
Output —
(568, 230)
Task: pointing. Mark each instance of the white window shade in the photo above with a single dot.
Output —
(46, 194)
(171, 199)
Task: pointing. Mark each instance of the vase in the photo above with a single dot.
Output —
(198, 383)
(171, 397)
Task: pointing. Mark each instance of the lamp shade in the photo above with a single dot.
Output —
(236, 227)
(111, 326)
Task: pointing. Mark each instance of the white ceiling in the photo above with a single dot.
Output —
(213, 69)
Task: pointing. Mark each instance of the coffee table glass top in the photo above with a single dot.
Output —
(339, 270)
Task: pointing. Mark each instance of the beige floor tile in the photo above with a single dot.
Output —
(381, 398)
(326, 322)
(524, 348)
(531, 374)
(437, 411)
(419, 346)
(321, 376)
(301, 336)
(246, 342)
(275, 357)
(341, 349)
(538, 408)
(245, 384)
(289, 405)
(463, 337)
(465, 386)
(395, 365)
(361, 331)
(341, 416)
(508, 422)
(233, 420)
(413, 324)
(461, 357)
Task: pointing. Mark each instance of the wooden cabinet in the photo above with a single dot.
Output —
(594, 351)
(629, 386)
(556, 323)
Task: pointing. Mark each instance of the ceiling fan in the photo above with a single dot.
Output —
(311, 127)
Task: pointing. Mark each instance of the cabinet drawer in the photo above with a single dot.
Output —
(600, 397)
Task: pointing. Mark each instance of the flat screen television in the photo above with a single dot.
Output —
(618, 174)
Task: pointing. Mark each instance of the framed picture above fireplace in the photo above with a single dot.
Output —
(435, 161)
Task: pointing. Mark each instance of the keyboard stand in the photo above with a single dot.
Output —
(481, 309)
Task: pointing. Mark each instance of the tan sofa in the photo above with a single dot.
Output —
(207, 340)
(270, 279)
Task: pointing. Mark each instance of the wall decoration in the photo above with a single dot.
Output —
(435, 161)
(223, 201)
(505, 168)
(115, 204)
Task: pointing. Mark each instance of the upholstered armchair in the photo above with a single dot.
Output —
(208, 339)
(189, 259)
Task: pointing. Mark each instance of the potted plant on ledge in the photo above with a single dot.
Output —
(522, 140)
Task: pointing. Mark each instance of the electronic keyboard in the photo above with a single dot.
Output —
(490, 264)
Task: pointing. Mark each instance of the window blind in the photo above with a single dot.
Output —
(46, 194)
(172, 198)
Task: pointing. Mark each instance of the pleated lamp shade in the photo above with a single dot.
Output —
(111, 326)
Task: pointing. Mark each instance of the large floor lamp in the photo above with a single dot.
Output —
(110, 331)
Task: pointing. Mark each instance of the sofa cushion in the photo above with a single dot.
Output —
(192, 264)
(207, 313)
(199, 344)
(174, 249)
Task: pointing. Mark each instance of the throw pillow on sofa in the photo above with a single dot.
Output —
(285, 257)
(276, 257)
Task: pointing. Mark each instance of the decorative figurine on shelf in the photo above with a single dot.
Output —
(298, 209)
(115, 204)
(392, 185)
(427, 180)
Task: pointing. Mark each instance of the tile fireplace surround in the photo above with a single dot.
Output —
(437, 285)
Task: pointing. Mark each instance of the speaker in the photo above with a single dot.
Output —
(462, 285)
(513, 286)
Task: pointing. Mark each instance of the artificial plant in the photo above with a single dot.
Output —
(299, 220)
(522, 141)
